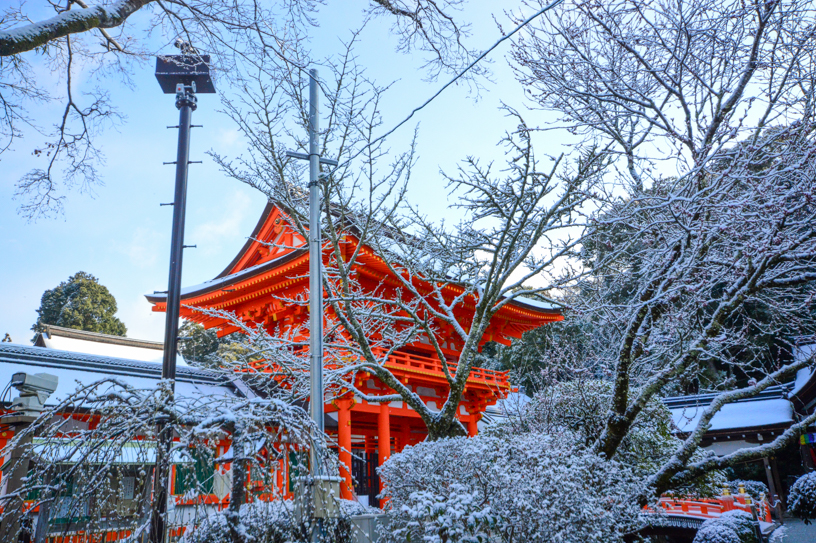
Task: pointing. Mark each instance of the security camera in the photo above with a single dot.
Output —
(32, 384)
(34, 391)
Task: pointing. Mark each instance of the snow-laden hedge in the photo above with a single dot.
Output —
(264, 522)
(802, 499)
(527, 487)
(730, 527)
(582, 407)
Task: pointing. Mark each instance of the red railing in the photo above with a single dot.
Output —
(713, 507)
(432, 366)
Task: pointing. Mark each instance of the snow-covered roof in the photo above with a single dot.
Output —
(802, 377)
(802, 353)
(537, 304)
(740, 415)
(81, 341)
(227, 280)
(73, 369)
(107, 349)
(512, 405)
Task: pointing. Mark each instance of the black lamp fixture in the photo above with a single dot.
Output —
(185, 76)
(189, 70)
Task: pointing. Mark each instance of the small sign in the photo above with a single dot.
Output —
(128, 487)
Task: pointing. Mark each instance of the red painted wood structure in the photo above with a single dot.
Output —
(679, 518)
(273, 265)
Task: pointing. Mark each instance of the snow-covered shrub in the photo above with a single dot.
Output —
(527, 487)
(581, 406)
(802, 499)
(350, 508)
(265, 522)
(730, 527)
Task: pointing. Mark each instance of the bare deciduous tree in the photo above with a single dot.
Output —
(93, 459)
(106, 39)
(514, 225)
(707, 111)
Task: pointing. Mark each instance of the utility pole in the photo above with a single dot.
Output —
(182, 74)
(321, 482)
(315, 261)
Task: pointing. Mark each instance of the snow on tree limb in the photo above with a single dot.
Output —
(28, 37)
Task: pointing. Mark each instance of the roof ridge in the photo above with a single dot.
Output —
(52, 330)
(125, 366)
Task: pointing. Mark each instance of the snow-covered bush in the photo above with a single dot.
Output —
(527, 487)
(265, 522)
(581, 406)
(730, 527)
(802, 499)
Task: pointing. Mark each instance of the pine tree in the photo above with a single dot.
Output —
(197, 343)
(82, 303)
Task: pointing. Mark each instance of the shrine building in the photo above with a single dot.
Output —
(274, 264)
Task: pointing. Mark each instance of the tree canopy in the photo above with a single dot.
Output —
(82, 303)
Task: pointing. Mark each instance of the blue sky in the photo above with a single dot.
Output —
(121, 234)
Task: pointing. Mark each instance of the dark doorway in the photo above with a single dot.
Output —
(364, 472)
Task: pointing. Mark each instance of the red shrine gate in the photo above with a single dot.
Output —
(274, 264)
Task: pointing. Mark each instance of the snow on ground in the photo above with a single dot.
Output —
(795, 531)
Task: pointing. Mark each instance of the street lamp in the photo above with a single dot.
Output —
(184, 76)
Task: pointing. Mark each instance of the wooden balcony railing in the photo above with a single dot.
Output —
(432, 366)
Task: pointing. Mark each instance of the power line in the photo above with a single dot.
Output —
(449, 83)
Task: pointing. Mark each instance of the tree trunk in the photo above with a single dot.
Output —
(238, 492)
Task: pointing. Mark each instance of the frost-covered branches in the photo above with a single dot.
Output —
(94, 457)
(703, 243)
(110, 39)
(392, 276)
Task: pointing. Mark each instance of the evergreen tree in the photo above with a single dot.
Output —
(82, 303)
(197, 343)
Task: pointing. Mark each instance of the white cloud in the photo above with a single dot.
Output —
(142, 323)
(143, 247)
(225, 228)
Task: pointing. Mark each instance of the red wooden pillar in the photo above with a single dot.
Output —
(344, 442)
(384, 435)
(405, 435)
(472, 425)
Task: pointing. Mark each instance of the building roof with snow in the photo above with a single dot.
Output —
(750, 421)
(76, 369)
(81, 341)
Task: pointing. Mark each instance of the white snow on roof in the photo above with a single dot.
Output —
(737, 415)
(74, 345)
(227, 279)
(800, 353)
(534, 303)
(73, 374)
(802, 377)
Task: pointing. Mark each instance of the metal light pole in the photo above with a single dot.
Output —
(322, 483)
(315, 261)
(315, 268)
(181, 74)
